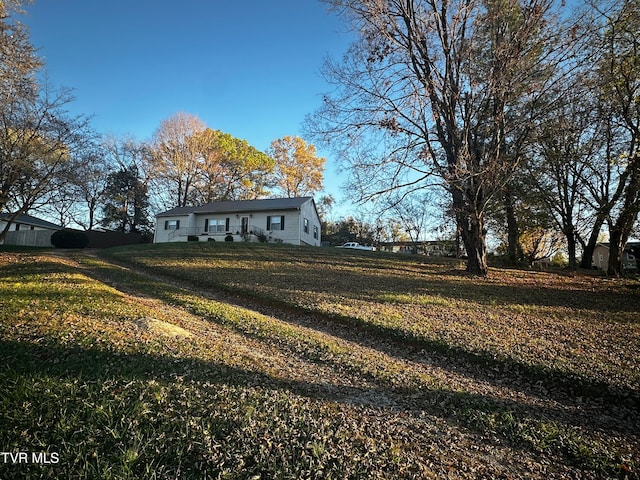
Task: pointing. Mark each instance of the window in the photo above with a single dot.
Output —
(275, 222)
(218, 225)
(315, 232)
(172, 224)
(306, 226)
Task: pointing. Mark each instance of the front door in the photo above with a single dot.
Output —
(245, 225)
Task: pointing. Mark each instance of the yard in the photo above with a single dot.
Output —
(212, 360)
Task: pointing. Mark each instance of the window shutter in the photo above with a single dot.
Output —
(282, 222)
(177, 224)
(206, 224)
(226, 224)
(268, 223)
(166, 224)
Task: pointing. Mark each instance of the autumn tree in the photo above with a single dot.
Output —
(190, 163)
(37, 137)
(176, 157)
(325, 205)
(559, 168)
(299, 171)
(439, 92)
(232, 169)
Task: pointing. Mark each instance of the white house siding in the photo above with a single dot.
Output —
(254, 221)
(256, 224)
(600, 259)
(163, 235)
(291, 226)
(308, 211)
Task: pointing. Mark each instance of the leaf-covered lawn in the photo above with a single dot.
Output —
(254, 361)
(582, 325)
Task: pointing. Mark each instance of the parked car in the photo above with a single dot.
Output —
(356, 246)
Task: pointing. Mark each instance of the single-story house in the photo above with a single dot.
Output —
(27, 231)
(600, 259)
(287, 220)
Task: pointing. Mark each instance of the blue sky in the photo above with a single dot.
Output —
(249, 67)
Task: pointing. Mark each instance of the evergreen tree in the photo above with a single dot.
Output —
(126, 202)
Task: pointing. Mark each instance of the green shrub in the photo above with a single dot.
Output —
(192, 238)
(228, 238)
(69, 239)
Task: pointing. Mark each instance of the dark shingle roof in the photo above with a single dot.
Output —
(237, 206)
(29, 220)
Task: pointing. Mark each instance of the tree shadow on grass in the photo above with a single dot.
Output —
(369, 284)
(88, 365)
(398, 274)
(587, 402)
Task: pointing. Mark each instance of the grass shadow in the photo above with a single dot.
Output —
(72, 365)
(540, 381)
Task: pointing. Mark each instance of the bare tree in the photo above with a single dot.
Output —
(36, 144)
(176, 157)
(619, 74)
(37, 137)
(440, 92)
(88, 180)
(559, 170)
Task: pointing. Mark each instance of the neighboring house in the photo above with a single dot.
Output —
(28, 231)
(287, 220)
(600, 259)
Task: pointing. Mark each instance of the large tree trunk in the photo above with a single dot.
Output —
(589, 248)
(616, 250)
(474, 238)
(619, 232)
(571, 248)
(468, 203)
(472, 229)
(569, 232)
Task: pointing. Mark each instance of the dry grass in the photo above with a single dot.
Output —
(253, 361)
(577, 324)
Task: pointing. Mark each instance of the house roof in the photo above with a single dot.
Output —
(237, 206)
(25, 219)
